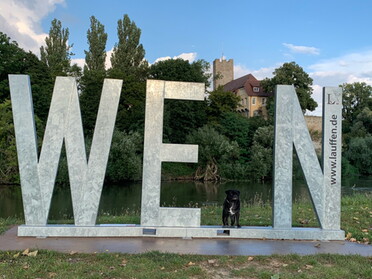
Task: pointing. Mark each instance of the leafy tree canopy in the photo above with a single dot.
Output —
(95, 57)
(14, 60)
(288, 74)
(181, 70)
(214, 150)
(56, 54)
(181, 117)
(360, 154)
(355, 97)
(94, 73)
(128, 54)
(220, 102)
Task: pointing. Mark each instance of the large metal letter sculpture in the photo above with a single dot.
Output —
(156, 152)
(324, 185)
(86, 179)
(64, 122)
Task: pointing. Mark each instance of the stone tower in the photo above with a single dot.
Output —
(224, 68)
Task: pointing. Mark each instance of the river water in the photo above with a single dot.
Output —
(117, 198)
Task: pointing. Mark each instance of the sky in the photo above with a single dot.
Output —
(329, 39)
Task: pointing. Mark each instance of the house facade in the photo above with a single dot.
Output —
(248, 88)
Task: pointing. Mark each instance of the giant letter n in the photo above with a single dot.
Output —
(324, 182)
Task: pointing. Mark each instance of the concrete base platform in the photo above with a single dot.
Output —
(125, 230)
(213, 246)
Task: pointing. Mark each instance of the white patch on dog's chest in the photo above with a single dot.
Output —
(231, 211)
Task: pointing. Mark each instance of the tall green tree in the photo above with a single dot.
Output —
(14, 60)
(181, 117)
(288, 74)
(355, 97)
(95, 57)
(8, 155)
(128, 54)
(220, 102)
(57, 52)
(128, 64)
(94, 73)
(181, 70)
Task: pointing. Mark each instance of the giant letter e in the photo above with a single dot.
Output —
(156, 152)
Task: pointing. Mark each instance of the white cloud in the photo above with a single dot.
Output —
(108, 58)
(79, 61)
(302, 49)
(349, 68)
(353, 67)
(191, 56)
(21, 21)
(241, 70)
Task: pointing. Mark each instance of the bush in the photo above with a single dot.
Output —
(125, 161)
(214, 150)
(261, 163)
(347, 169)
(360, 154)
(235, 171)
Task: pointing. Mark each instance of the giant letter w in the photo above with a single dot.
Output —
(64, 123)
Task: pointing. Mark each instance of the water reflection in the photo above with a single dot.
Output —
(118, 198)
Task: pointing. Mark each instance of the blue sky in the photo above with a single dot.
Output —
(330, 39)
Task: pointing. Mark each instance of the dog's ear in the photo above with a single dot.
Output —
(227, 192)
(238, 192)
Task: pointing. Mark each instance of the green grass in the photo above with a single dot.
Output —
(6, 223)
(48, 264)
(356, 216)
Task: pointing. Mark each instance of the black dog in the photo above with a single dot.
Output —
(231, 208)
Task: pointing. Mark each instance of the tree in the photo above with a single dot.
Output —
(125, 157)
(14, 60)
(288, 74)
(128, 64)
(240, 129)
(181, 117)
(181, 70)
(94, 73)
(128, 54)
(8, 153)
(362, 125)
(56, 54)
(262, 153)
(360, 153)
(214, 150)
(96, 56)
(221, 102)
(355, 97)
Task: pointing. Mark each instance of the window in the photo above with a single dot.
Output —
(263, 101)
(246, 101)
(256, 89)
(253, 100)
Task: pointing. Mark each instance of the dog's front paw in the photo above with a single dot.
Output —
(239, 226)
